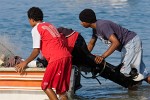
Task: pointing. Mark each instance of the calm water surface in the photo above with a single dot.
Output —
(132, 14)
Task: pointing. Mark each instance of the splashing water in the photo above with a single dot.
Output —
(6, 47)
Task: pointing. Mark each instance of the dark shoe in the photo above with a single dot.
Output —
(135, 75)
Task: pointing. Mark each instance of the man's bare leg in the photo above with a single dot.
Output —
(51, 94)
(63, 96)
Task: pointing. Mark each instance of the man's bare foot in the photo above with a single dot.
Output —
(147, 79)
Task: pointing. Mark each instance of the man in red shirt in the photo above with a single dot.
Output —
(47, 39)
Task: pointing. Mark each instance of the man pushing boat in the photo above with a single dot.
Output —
(117, 38)
(82, 57)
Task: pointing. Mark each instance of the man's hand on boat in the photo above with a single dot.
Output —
(99, 59)
(20, 68)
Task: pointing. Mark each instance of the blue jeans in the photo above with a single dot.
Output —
(132, 54)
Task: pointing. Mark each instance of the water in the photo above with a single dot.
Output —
(132, 14)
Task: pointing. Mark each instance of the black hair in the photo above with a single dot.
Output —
(35, 13)
(87, 15)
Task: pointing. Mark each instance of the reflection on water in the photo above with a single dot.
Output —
(113, 3)
(112, 91)
(118, 3)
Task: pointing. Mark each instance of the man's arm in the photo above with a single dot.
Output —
(91, 44)
(21, 66)
(114, 45)
(33, 55)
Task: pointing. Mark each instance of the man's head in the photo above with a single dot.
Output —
(87, 17)
(35, 14)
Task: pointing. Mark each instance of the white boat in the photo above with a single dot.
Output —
(25, 87)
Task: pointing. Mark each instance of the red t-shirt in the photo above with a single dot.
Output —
(47, 38)
(71, 40)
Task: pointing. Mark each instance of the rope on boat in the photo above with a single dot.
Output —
(93, 76)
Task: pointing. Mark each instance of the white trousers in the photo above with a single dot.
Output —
(132, 54)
